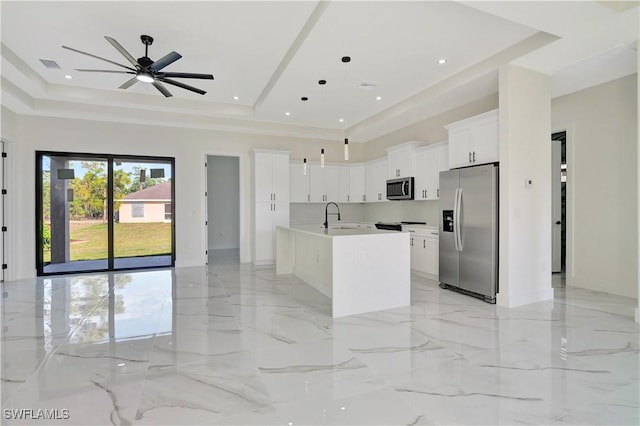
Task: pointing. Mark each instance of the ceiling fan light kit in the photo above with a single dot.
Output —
(145, 69)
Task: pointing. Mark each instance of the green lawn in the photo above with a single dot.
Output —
(131, 239)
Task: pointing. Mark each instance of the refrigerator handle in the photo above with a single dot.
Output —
(455, 219)
(458, 214)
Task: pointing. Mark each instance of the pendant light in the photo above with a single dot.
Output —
(346, 149)
(346, 60)
(304, 167)
(322, 84)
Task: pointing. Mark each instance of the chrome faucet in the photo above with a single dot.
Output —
(326, 219)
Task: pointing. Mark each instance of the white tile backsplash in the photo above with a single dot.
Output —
(391, 211)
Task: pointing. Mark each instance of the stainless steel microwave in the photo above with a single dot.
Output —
(400, 189)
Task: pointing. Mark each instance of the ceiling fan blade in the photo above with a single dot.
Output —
(98, 57)
(162, 89)
(110, 71)
(182, 85)
(185, 75)
(122, 50)
(128, 83)
(167, 59)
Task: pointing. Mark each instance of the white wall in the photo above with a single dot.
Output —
(189, 147)
(223, 202)
(602, 133)
(525, 212)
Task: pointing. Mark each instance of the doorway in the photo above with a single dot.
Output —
(559, 202)
(103, 212)
(223, 208)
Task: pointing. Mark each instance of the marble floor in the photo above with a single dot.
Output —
(233, 344)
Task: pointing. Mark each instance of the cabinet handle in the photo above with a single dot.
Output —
(308, 197)
(411, 241)
(364, 197)
(438, 192)
(469, 156)
(348, 198)
(474, 156)
(424, 243)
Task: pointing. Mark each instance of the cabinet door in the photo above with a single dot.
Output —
(280, 178)
(344, 185)
(426, 181)
(263, 169)
(400, 164)
(316, 184)
(380, 180)
(331, 181)
(419, 261)
(298, 184)
(370, 188)
(264, 233)
(460, 147)
(356, 184)
(485, 142)
(431, 256)
(280, 218)
(433, 176)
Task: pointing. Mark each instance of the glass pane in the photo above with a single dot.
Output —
(74, 214)
(142, 228)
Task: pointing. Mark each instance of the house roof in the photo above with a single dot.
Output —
(157, 192)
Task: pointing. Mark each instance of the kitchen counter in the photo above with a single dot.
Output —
(336, 230)
(359, 269)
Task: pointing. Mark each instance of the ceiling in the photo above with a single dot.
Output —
(270, 54)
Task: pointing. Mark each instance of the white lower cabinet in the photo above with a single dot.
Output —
(424, 251)
(268, 216)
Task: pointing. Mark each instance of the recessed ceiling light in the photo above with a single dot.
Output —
(378, 98)
(341, 120)
(68, 77)
(235, 98)
(442, 61)
(287, 113)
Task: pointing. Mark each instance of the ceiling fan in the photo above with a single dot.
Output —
(146, 70)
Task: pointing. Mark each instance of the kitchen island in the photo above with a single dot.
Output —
(359, 269)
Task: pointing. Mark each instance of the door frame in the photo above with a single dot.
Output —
(110, 158)
(243, 164)
(568, 128)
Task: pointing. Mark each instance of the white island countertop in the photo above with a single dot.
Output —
(359, 269)
(336, 230)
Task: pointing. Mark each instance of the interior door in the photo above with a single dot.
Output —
(556, 206)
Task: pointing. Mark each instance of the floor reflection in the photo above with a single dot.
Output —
(236, 344)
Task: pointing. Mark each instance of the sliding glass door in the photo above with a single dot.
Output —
(103, 212)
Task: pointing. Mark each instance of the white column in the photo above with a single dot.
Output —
(525, 187)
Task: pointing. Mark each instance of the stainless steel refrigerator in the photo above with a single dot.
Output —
(469, 231)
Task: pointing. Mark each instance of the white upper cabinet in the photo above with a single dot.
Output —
(344, 189)
(400, 160)
(375, 181)
(474, 141)
(429, 162)
(271, 169)
(298, 183)
(323, 183)
(356, 184)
